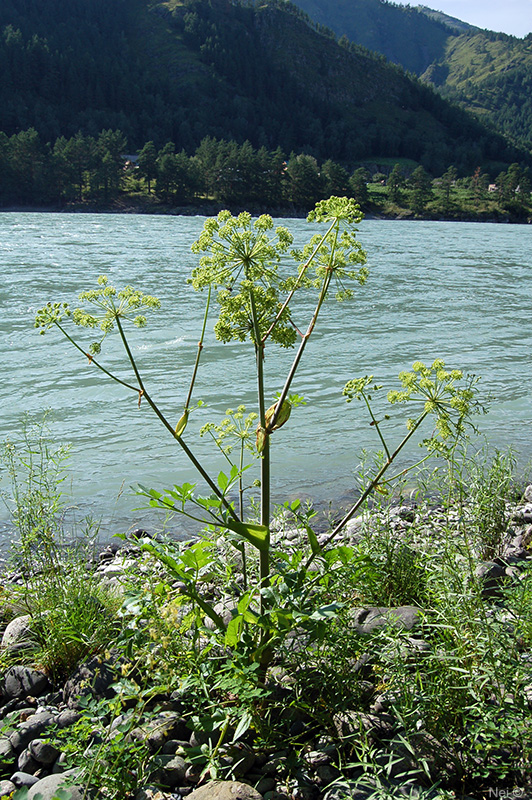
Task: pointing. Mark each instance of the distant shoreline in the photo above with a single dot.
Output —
(209, 209)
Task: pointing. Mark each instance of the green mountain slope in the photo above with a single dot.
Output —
(488, 73)
(451, 22)
(405, 35)
(181, 71)
(491, 75)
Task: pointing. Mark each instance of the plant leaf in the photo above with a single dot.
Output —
(243, 726)
(257, 535)
(182, 424)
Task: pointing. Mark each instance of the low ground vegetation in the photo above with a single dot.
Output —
(405, 672)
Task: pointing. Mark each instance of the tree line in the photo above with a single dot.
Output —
(481, 196)
(97, 170)
(85, 168)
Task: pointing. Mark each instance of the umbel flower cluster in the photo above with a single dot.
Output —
(111, 305)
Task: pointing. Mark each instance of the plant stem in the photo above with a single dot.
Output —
(190, 455)
(265, 486)
(93, 360)
(376, 425)
(241, 512)
(200, 348)
(306, 336)
(369, 488)
(304, 268)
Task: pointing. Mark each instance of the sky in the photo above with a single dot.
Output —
(508, 16)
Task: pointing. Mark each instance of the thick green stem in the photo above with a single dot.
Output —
(241, 512)
(265, 455)
(264, 554)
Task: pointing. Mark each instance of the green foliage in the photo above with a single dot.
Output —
(456, 687)
(406, 36)
(488, 73)
(72, 615)
(421, 187)
(491, 73)
(358, 185)
(395, 572)
(259, 71)
(489, 490)
(35, 471)
(100, 743)
(244, 260)
(91, 171)
(220, 617)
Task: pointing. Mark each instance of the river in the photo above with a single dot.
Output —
(457, 291)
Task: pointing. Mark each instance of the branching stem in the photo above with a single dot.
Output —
(179, 439)
(312, 324)
(369, 488)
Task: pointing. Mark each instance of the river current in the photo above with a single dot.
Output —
(457, 291)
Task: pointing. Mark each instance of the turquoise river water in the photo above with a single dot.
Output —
(459, 291)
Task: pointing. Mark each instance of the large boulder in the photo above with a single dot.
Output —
(21, 681)
(18, 635)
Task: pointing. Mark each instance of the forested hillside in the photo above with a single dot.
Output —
(487, 73)
(180, 71)
(403, 34)
(490, 74)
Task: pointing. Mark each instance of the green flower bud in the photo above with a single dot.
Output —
(284, 414)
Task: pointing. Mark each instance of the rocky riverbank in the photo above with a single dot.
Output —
(64, 732)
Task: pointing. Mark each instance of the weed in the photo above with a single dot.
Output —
(72, 614)
(36, 472)
(491, 486)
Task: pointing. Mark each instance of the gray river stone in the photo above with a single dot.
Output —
(7, 752)
(17, 635)
(374, 618)
(47, 787)
(31, 729)
(225, 790)
(23, 681)
(23, 779)
(43, 752)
